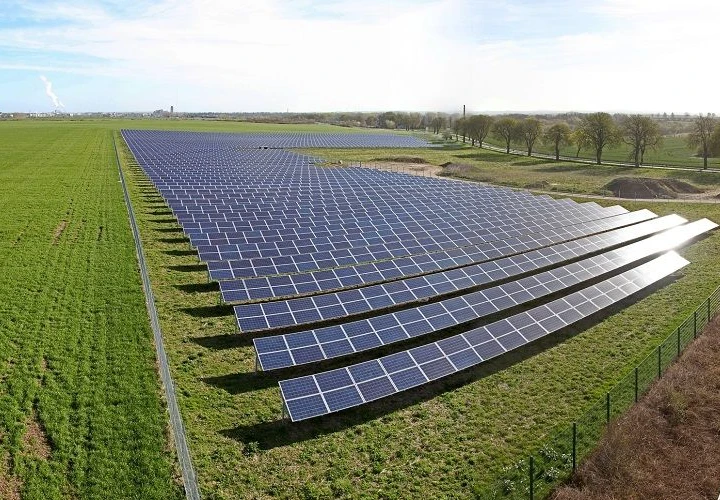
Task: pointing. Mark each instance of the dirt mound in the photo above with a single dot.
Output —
(455, 168)
(643, 187)
(403, 159)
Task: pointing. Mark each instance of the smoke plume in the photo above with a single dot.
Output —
(49, 91)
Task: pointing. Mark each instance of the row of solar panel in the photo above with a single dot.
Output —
(380, 227)
(396, 247)
(374, 298)
(333, 278)
(335, 390)
(284, 139)
(292, 349)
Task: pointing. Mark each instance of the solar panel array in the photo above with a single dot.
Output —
(328, 262)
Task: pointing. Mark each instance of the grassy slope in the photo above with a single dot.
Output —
(75, 343)
(445, 440)
(519, 171)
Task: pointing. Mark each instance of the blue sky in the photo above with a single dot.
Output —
(302, 55)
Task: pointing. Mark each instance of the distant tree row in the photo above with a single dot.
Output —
(595, 131)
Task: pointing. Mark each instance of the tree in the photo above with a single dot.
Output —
(459, 128)
(578, 138)
(478, 127)
(699, 137)
(600, 131)
(507, 130)
(558, 135)
(640, 132)
(529, 130)
(437, 123)
(715, 142)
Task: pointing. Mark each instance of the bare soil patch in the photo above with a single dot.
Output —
(643, 187)
(35, 440)
(667, 446)
(10, 485)
(59, 231)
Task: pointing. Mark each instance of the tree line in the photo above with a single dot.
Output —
(595, 131)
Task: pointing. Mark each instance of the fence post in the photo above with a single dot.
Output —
(574, 448)
(695, 324)
(660, 361)
(636, 384)
(532, 478)
(607, 408)
(678, 341)
(708, 307)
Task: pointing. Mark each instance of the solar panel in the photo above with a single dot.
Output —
(260, 316)
(328, 392)
(292, 349)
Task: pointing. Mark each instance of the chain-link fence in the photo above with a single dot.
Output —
(567, 445)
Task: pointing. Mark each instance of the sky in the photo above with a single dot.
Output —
(359, 55)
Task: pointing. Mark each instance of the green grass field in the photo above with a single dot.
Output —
(81, 414)
(78, 305)
(523, 172)
(673, 151)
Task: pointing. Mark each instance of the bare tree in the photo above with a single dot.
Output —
(641, 133)
(558, 135)
(715, 141)
(699, 137)
(580, 140)
(478, 127)
(600, 131)
(506, 129)
(437, 123)
(459, 128)
(529, 130)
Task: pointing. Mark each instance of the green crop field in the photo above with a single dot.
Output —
(79, 359)
(81, 414)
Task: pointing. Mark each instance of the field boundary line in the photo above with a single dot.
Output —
(192, 490)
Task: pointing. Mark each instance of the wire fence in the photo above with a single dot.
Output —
(567, 445)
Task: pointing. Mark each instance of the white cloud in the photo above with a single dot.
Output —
(275, 54)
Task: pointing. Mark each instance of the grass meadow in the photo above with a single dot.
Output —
(77, 352)
(81, 414)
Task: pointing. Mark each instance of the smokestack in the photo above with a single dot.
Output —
(463, 111)
(172, 109)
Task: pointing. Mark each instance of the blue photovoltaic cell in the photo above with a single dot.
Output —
(436, 360)
(377, 297)
(470, 307)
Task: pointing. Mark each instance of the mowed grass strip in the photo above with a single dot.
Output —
(81, 414)
(448, 440)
